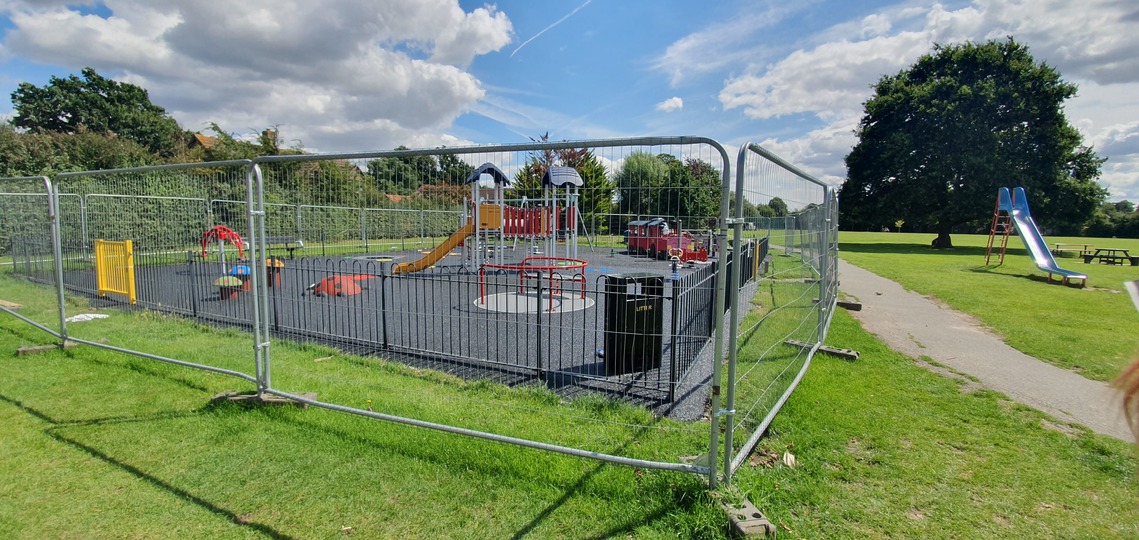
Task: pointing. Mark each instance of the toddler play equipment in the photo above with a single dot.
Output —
(338, 286)
(1011, 211)
(222, 234)
(491, 226)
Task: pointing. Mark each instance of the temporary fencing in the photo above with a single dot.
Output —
(306, 247)
(774, 340)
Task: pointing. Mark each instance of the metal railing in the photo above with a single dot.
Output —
(438, 318)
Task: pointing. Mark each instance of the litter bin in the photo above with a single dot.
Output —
(634, 318)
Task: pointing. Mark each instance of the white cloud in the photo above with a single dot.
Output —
(671, 104)
(875, 25)
(711, 49)
(1091, 43)
(392, 69)
(821, 151)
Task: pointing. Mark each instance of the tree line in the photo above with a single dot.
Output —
(90, 122)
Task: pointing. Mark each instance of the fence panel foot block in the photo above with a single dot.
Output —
(36, 349)
(253, 399)
(748, 521)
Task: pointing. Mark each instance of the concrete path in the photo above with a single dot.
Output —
(919, 326)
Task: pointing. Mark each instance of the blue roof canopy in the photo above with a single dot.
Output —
(490, 169)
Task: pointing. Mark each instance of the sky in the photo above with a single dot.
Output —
(368, 75)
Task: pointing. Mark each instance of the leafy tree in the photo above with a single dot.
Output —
(1113, 219)
(528, 180)
(938, 139)
(638, 183)
(665, 186)
(778, 206)
(596, 194)
(692, 192)
(98, 105)
(33, 154)
(403, 174)
(226, 146)
(453, 170)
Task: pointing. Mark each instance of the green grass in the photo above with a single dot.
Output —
(147, 432)
(1089, 330)
(887, 449)
(100, 444)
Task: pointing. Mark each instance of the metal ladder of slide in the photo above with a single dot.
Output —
(1002, 226)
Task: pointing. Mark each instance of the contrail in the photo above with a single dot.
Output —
(546, 29)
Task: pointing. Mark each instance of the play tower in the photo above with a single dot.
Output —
(493, 226)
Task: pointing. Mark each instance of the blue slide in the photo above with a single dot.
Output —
(1017, 207)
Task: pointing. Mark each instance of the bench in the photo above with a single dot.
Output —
(1112, 256)
(1112, 259)
(1081, 250)
(287, 243)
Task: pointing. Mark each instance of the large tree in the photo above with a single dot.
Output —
(938, 139)
(98, 105)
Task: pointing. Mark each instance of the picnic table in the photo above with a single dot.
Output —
(1111, 256)
(1082, 250)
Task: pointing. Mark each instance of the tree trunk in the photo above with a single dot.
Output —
(942, 241)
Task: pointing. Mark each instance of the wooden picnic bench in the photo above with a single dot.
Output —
(1111, 256)
(1082, 250)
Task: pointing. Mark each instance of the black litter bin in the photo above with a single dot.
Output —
(634, 317)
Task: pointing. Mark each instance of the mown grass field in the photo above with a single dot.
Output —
(1091, 330)
(102, 445)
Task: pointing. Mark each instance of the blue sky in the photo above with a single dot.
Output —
(359, 75)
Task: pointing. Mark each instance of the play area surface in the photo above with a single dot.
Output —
(503, 323)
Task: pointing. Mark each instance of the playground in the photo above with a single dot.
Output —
(465, 278)
(510, 296)
(512, 322)
(991, 447)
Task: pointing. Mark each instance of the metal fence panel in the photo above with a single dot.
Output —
(514, 281)
(776, 333)
(29, 234)
(163, 211)
(364, 214)
(25, 227)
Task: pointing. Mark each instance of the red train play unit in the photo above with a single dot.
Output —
(653, 237)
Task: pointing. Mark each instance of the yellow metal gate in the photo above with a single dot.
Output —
(114, 268)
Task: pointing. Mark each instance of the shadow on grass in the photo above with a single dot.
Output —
(688, 490)
(1038, 278)
(50, 431)
(627, 528)
(176, 491)
(921, 249)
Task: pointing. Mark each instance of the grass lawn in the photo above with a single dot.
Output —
(1090, 330)
(98, 444)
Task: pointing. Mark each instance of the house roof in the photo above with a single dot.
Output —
(206, 141)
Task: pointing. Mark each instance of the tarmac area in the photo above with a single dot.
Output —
(920, 326)
(446, 318)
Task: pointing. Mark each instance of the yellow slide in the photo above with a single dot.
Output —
(439, 252)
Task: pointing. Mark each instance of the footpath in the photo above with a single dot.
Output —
(919, 326)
